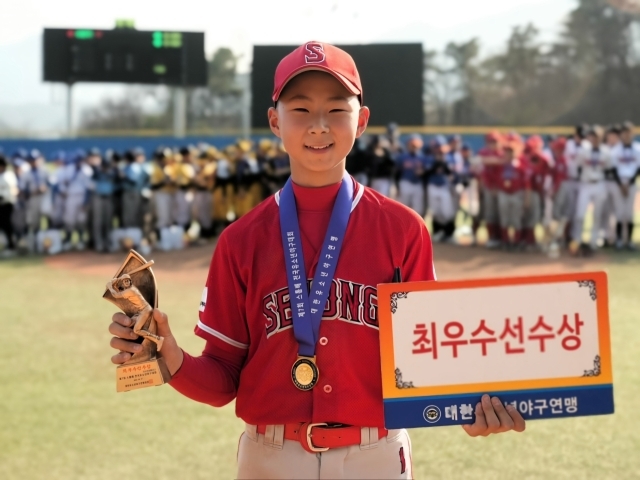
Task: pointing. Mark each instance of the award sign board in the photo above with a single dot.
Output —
(133, 290)
(540, 344)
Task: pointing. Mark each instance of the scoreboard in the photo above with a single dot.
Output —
(124, 56)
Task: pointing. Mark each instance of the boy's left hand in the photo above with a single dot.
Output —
(493, 417)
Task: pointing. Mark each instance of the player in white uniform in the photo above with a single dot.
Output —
(593, 161)
(8, 196)
(76, 187)
(33, 188)
(55, 180)
(608, 219)
(567, 195)
(626, 157)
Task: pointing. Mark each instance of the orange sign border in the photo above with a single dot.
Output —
(389, 389)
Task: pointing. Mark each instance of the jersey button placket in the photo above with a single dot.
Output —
(323, 341)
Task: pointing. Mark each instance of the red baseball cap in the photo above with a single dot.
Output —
(535, 143)
(494, 136)
(322, 57)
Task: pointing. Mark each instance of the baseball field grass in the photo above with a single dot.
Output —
(60, 417)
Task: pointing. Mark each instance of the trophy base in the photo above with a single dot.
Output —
(151, 373)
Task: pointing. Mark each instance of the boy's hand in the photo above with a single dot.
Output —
(493, 417)
(124, 336)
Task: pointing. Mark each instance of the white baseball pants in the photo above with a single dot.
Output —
(590, 193)
(441, 203)
(533, 215)
(270, 456)
(164, 208)
(511, 209)
(382, 186)
(490, 206)
(203, 208)
(565, 201)
(183, 199)
(607, 224)
(57, 213)
(412, 195)
(75, 215)
(34, 211)
(625, 205)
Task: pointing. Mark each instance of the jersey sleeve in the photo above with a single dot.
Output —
(222, 318)
(211, 378)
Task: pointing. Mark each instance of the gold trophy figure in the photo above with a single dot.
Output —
(133, 290)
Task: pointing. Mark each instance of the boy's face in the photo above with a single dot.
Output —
(509, 155)
(318, 121)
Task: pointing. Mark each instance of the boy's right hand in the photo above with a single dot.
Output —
(123, 340)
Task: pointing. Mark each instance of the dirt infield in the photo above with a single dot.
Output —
(452, 262)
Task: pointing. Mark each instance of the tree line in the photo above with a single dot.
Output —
(590, 73)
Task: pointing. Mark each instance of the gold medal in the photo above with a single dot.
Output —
(304, 373)
(507, 183)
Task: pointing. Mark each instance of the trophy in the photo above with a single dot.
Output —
(133, 290)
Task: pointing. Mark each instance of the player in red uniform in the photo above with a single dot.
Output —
(492, 159)
(539, 166)
(258, 318)
(514, 191)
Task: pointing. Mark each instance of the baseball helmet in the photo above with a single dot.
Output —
(515, 147)
(534, 143)
(558, 144)
(627, 126)
(58, 155)
(34, 155)
(20, 153)
(493, 136)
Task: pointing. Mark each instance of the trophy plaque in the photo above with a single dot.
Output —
(133, 290)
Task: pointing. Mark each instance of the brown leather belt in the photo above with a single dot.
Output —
(320, 437)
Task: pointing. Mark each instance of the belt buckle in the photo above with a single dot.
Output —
(308, 437)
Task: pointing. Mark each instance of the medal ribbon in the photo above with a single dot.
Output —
(307, 307)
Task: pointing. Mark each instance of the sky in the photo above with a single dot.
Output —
(240, 24)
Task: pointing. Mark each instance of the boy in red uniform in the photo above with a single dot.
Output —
(539, 166)
(513, 195)
(303, 364)
(491, 157)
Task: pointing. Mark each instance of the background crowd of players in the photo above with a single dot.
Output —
(529, 194)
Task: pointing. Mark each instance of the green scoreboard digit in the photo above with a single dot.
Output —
(124, 56)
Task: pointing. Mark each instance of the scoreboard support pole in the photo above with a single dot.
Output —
(70, 132)
(246, 114)
(179, 112)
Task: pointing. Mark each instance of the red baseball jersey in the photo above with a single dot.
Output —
(245, 314)
(490, 175)
(514, 177)
(539, 166)
(560, 171)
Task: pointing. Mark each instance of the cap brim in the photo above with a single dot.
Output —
(351, 88)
